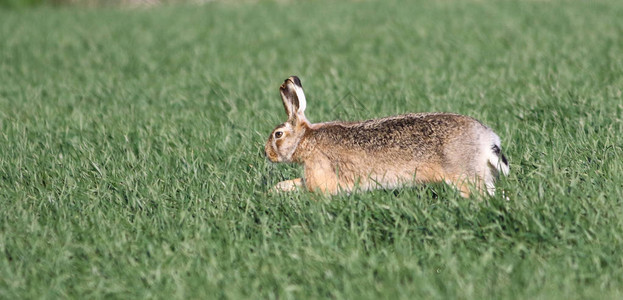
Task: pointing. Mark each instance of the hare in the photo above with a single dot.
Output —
(385, 153)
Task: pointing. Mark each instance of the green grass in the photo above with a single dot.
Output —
(131, 150)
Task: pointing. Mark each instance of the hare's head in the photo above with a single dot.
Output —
(286, 137)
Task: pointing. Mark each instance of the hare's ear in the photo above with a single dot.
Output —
(293, 99)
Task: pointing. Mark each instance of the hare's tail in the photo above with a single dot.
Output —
(496, 161)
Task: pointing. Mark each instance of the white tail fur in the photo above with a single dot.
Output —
(496, 160)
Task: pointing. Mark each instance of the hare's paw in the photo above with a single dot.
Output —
(288, 185)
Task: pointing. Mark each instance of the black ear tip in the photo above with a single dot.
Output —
(295, 80)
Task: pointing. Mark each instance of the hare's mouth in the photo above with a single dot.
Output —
(271, 155)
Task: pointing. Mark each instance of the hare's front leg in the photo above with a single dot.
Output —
(288, 185)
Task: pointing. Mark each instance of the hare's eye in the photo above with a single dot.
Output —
(278, 134)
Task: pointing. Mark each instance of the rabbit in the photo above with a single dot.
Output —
(384, 153)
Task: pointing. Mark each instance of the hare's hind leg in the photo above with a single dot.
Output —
(288, 185)
(461, 185)
(490, 183)
(475, 183)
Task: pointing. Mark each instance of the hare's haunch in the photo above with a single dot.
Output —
(385, 153)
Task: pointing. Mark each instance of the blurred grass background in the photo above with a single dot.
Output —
(131, 143)
(93, 3)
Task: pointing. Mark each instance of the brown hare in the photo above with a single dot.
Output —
(385, 153)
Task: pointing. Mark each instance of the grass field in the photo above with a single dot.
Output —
(132, 166)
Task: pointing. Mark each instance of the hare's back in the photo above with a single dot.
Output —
(410, 131)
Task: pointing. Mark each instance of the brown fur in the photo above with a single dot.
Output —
(380, 153)
(396, 150)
